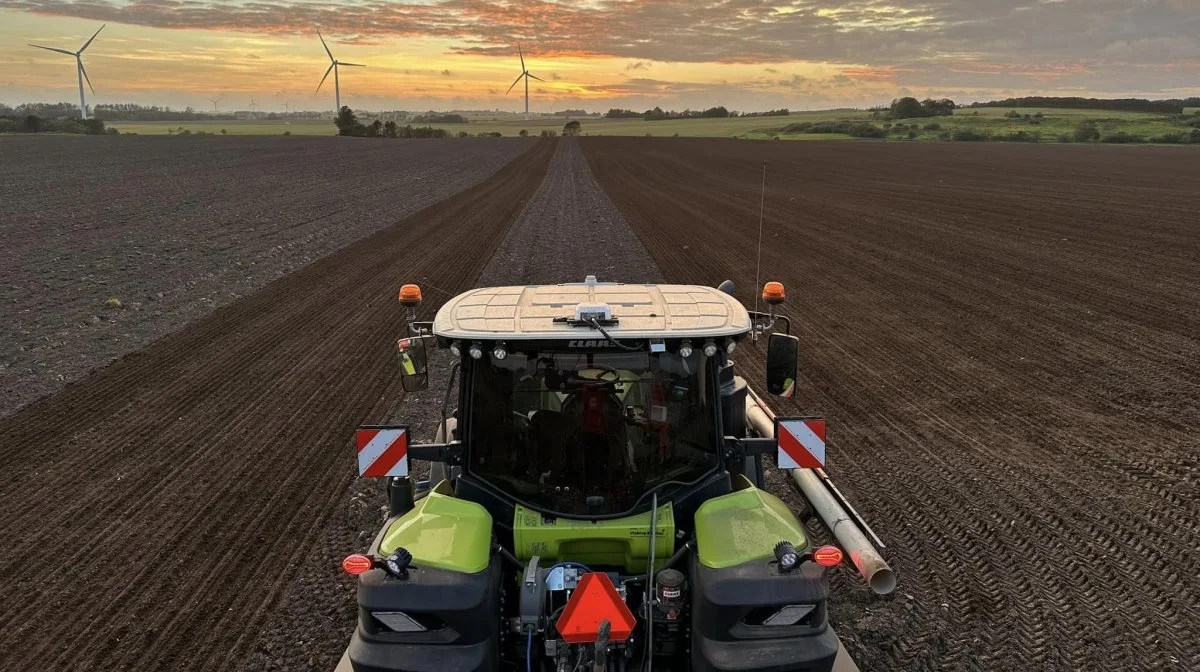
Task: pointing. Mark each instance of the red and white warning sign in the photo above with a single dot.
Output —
(382, 451)
(801, 443)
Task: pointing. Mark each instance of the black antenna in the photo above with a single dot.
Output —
(758, 265)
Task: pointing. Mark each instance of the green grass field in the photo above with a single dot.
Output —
(991, 121)
(749, 127)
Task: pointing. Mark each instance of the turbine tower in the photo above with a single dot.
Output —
(333, 66)
(214, 101)
(81, 73)
(526, 74)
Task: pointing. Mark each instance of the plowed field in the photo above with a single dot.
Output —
(1006, 340)
(174, 227)
(156, 510)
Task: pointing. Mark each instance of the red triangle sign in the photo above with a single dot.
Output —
(594, 601)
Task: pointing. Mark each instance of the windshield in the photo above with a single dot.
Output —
(590, 433)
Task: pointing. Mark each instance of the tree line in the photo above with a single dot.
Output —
(32, 123)
(1168, 106)
(718, 112)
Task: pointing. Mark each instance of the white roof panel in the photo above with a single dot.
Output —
(642, 311)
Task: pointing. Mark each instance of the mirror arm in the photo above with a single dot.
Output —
(746, 447)
(770, 319)
(436, 452)
(423, 329)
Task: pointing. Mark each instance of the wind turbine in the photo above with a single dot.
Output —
(79, 66)
(214, 101)
(252, 104)
(526, 74)
(333, 65)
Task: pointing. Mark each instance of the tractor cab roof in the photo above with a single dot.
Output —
(568, 311)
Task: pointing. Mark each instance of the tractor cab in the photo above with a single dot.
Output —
(595, 498)
(580, 399)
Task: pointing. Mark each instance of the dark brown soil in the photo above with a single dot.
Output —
(158, 510)
(1006, 340)
(568, 231)
(175, 227)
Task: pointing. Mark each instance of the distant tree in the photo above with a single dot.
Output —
(1085, 131)
(224, 132)
(906, 108)
(910, 108)
(390, 129)
(571, 128)
(33, 123)
(616, 113)
(524, 133)
(715, 112)
(374, 129)
(347, 122)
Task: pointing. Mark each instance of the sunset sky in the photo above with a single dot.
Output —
(597, 54)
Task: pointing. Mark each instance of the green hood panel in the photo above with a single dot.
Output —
(621, 542)
(443, 532)
(743, 526)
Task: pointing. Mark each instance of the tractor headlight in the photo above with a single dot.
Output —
(710, 348)
(685, 350)
(787, 556)
(499, 352)
(397, 563)
(476, 351)
(456, 348)
(730, 346)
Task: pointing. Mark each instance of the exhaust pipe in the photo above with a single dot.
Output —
(845, 527)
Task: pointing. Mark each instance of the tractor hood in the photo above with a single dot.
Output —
(551, 312)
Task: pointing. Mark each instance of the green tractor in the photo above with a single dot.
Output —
(596, 499)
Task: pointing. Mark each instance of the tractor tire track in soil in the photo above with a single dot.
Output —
(569, 230)
(1006, 340)
(175, 227)
(159, 509)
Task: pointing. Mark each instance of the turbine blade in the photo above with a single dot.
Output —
(535, 77)
(522, 55)
(85, 77)
(510, 88)
(86, 44)
(331, 66)
(325, 45)
(357, 65)
(61, 51)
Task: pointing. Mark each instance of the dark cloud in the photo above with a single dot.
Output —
(1112, 40)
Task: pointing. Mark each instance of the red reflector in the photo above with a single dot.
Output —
(828, 556)
(595, 600)
(357, 563)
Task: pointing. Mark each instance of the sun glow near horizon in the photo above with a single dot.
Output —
(635, 54)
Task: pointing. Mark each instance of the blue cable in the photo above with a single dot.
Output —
(529, 652)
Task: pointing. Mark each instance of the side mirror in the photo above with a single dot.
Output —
(414, 364)
(783, 352)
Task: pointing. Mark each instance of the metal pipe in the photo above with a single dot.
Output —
(873, 568)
